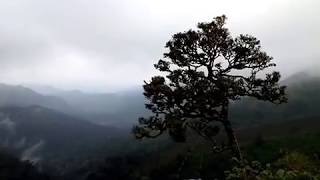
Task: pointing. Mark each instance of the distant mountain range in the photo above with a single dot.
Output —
(122, 109)
(118, 109)
(303, 91)
(21, 96)
(62, 124)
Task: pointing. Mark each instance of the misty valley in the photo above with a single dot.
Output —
(67, 134)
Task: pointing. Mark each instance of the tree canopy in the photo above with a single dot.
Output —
(201, 73)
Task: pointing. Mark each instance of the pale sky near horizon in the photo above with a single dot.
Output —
(109, 45)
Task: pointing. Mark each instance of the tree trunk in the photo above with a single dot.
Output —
(233, 142)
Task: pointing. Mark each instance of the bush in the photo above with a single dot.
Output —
(293, 166)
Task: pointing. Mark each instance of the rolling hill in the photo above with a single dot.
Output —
(12, 95)
(39, 134)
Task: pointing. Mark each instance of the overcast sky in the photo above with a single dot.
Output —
(107, 45)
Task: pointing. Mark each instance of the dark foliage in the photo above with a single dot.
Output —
(205, 70)
(12, 168)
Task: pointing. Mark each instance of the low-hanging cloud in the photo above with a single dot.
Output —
(31, 154)
(8, 125)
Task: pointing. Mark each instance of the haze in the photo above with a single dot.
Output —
(108, 46)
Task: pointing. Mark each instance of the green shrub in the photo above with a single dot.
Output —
(293, 166)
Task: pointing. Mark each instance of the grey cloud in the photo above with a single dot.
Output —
(8, 124)
(31, 153)
(109, 41)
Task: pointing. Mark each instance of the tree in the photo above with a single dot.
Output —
(204, 71)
